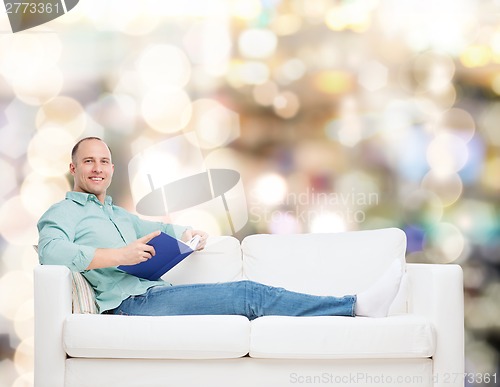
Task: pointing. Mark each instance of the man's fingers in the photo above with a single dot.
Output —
(147, 238)
(150, 250)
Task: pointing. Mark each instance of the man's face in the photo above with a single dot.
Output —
(92, 168)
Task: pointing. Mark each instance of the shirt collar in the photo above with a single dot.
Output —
(82, 198)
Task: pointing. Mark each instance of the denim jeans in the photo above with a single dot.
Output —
(246, 298)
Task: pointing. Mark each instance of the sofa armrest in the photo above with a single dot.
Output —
(436, 291)
(52, 285)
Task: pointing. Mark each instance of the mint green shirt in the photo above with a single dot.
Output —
(71, 231)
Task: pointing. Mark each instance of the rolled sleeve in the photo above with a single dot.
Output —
(60, 252)
(55, 243)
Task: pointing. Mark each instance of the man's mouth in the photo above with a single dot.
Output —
(96, 178)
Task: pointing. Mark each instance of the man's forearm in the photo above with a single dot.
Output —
(104, 258)
(135, 252)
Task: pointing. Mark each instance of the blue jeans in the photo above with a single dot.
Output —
(246, 298)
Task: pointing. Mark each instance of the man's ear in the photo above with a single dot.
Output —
(72, 168)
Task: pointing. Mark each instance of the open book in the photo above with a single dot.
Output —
(169, 252)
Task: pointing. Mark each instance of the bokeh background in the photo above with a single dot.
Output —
(338, 115)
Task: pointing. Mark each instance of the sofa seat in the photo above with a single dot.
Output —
(403, 336)
(175, 337)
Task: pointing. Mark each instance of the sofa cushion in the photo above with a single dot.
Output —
(324, 264)
(172, 337)
(405, 336)
(219, 261)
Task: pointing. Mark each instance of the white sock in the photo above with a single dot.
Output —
(377, 299)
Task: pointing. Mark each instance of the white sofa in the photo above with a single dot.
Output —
(421, 343)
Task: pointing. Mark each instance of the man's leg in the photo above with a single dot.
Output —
(244, 298)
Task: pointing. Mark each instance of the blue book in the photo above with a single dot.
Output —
(169, 252)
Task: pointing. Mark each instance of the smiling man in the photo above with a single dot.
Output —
(88, 233)
(92, 168)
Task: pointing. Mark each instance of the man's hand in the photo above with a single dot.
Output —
(135, 252)
(188, 234)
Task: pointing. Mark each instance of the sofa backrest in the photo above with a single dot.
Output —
(323, 264)
(220, 261)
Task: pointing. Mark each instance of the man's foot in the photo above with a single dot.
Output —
(377, 299)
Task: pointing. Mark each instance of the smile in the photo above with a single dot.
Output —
(96, 178)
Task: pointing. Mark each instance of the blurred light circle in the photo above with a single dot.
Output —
(286, 24)
(64, 112)
(265, 93)
(166, 110)
(286, 104)
(24, 53)
(208, 43)
(49, 151)
(283, 223)
(257, 43)
(421, 207)
(444, 243)
(434, 71)
(351, 126)
(476, 56)
(495, 84)
(447, 154)
(490, 173)
(458, 122)
(448, 187)
(24, 356)
(127, 16)
(9, 180)
(357, 189)
(488, 123)
(245, 9)
(292, 70)
(333, 82)
(133, 17)
(432, 102)
(17, 225)
(270, 189)
(16, 257)
(23, 319)
(428, 109)
(373, 75)
(19, 286)
(47, 190)
(199, 219)
(117, 112)
(250, 73)
(26, 379)
(477, 219)
(213, 123)
(397, 117)
(224, 158)
(38, 87)
(164, 65)
(347, 15)
(319, 156)
(160, 165)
